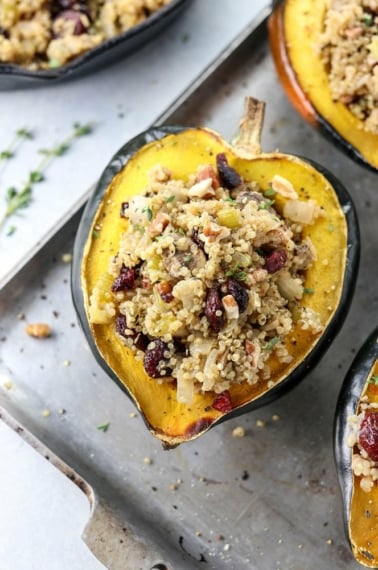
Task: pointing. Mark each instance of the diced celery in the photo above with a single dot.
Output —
(229, 217)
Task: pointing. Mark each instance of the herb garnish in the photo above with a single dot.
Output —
(236, 273)
(21, 134)
(270, 192)
(265, 205)
(268, 347)
(367, 19)
(148, 213)
(229, 199)
(104, 427)
(170, 199)
(374, 379)
(138, 228)
(308, 290)
(19, 199)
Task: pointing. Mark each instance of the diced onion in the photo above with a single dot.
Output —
(300, 211)
(185, 389)
(289, 287)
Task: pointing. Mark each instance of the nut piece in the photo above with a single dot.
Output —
(282, 186)
(38, 330)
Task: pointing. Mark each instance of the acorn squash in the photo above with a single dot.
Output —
(328, 282)
(355, 431)
(295, 28)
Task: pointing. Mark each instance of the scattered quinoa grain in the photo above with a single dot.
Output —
(238, 431)
(147, 461)
(260, 423)
(45, 413)
(67, 257)
(227, 547)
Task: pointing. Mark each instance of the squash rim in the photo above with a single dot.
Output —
(118, 161)
(297, 95)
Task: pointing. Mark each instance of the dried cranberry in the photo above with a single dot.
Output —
(239, 293)
(214, 309)
(125, 280)
(121, 325)
(229, 177)
(275, 260)
(368, 436)
(140, 341)
(78, 18)
(155, 361)
(222, 402)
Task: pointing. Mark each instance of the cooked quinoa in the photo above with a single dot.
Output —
(43, 34)
(208, 278)
(349, 48)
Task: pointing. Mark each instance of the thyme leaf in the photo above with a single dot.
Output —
(268, 347)
(20, 135)
(104, 427)
(270, 192)
(236, 273)
(374, 379)
(308, 290)
(19, 199)
(265, 205)
(148, 213)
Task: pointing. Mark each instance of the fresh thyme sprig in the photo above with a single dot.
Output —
(9, 151)
(19, 199)
(50, 153)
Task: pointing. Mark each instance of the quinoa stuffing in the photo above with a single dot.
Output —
(208, 278)
(349, 49)
(363, 439)
(43, 34)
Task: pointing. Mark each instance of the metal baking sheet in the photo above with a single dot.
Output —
(120, 101)
(267, 501)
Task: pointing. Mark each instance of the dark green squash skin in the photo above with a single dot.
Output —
(351, 270)
(346, 406)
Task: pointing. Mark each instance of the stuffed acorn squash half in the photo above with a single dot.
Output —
(326, 56)
(356, 452)
(209, 277)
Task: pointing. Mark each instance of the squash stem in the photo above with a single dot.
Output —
(248, 141)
